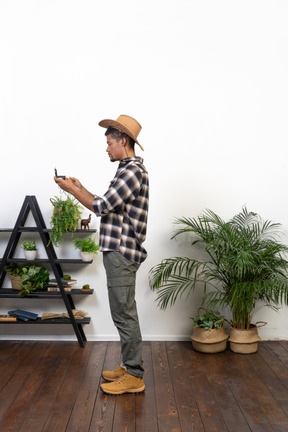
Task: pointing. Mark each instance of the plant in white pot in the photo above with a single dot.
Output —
(244, 266)
(30, 249)
(88, 248)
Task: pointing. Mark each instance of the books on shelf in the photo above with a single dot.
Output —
(64, 282)
(23, 315)
(7, 318)
(56, 288)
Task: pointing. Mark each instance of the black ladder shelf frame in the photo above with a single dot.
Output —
(31, 204)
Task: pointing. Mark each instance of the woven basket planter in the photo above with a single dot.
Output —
(16, 282)
(244, 341)
(209, 341)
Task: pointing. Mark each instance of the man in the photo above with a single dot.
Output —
(123, 210)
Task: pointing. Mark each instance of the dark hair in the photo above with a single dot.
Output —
(116, 134)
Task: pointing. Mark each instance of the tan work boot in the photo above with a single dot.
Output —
(114, 375)
(125, 384)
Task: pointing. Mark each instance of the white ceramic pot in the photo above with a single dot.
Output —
(30, 255)
(86, 256)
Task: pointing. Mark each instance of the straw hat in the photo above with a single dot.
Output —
(125, 124)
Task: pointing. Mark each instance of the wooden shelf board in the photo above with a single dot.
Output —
(10, 293)
(47, 261)
(85, 320)
(46, 230)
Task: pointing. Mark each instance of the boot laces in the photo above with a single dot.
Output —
(121, 379)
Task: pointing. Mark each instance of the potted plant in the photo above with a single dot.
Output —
(15, 273)
(65, 217)
(33, 278)
(209, 335)
(86, 288)
(244, 265)
(30, 277)
(30, 249)
(87, 247)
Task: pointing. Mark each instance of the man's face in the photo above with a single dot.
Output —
(115, 149)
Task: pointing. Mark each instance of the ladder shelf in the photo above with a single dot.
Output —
(30, 204)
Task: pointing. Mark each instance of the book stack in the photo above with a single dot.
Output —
(23, 315)
(67, 284)
(7, 318)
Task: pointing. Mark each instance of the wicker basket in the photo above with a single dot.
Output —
(16, 282)
(209, 341)
(244, 341)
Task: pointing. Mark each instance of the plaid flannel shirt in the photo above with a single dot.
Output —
(124, 210)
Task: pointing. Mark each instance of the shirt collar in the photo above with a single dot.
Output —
(131, 159)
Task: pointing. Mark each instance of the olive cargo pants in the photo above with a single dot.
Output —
(121, 278)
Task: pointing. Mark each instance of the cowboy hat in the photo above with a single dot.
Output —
(125, 124)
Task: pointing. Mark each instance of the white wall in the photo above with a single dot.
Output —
(208, 82)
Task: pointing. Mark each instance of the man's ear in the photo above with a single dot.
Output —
(124, 142)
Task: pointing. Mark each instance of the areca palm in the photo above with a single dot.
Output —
(245, 263)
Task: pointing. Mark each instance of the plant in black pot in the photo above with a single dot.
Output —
(65, 217)
(245, 265)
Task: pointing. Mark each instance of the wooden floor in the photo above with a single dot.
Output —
(54, 386)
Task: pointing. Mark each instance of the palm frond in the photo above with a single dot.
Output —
(245, 263)
(173, 276)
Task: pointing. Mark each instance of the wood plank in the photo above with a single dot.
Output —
(40, 407)
(261, 411)
(84, 404)
(14, 418)
(146, 414)
(267, 375)
(280, 351)
(65, 399)
(210, 413)
(268, 354)
(103, 415)
(11, 357)
(54, 386)
(181, 369)
(218, 379)
(124, 414)
(167, 413)
(27, 366)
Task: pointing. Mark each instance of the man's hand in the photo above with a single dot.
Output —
(75, 188)
(65, 184)
(76, 183)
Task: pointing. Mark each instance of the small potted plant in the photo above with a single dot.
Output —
(86, 288)
(87, 247)
(33, 278)
(27, 279)
(209, 335)
(65, 217)
(15, 272)
(30, 249)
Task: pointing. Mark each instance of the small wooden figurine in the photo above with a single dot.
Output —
(85, 222)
